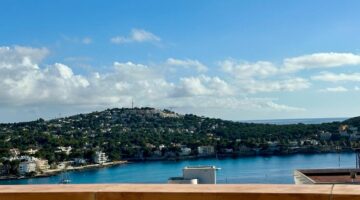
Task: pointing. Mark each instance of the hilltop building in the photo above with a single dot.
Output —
(343, 131)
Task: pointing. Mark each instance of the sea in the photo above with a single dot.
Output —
(256, 169)
(296, 121)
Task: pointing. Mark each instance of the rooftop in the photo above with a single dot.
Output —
(331, 176)
(201, 167)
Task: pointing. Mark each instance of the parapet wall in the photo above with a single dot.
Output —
(179, 192)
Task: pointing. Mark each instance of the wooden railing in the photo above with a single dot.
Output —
(179, 192)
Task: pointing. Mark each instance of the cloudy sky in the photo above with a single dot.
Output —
(237, 60)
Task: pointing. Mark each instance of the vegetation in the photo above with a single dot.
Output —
(139, 132)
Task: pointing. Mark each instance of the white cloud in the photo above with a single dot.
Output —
(231, 102)
(86, 40)
(187, 63)
(280, 107)
(136, 35)
(332, 77)
(21, 57)
(290, 85)
(259, 77)
(202, 86)
(77, 40)
(264, 69)
(245, 70)
(26, 82)
(320, 60)
(335, 89)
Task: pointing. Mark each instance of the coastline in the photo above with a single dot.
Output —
(55, 172)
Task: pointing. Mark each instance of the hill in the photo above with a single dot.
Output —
(145, 133)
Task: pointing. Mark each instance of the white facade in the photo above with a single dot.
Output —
(100, 157)
(206, 150)
(181, 180)
(204, 174)
(66, 150)
(42, 165)
(27, 158)
(14, 152)
(196, 175)
(31, 151)
(27, 167)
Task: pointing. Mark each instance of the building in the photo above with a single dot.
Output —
(343, 131)
(42, 165)
(27, 167)
(355, 136)
(100, 157)
(204, 174)
(327, 176)
(27, 158)
(31, 151)
(66, 150)
(185, 151)
(206, 150)
(196, 175)
(353, 129)
(79, 161)
(182, 180)
(325, 135)
(14, 152)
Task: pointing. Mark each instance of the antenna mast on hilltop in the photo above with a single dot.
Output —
(132, 103)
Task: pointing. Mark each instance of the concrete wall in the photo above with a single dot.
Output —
(179, 192)
(204, 175)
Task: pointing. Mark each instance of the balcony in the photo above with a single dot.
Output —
(178, 192)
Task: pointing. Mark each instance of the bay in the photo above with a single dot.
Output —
(258, 169)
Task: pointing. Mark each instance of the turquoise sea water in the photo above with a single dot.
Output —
(272, 169)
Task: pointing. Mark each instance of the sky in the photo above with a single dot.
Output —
(235, 60)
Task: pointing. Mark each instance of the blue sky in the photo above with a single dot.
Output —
(235, 60)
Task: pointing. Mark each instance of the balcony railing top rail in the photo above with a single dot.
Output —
(174, 192)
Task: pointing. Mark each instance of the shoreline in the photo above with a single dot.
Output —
(55, 172)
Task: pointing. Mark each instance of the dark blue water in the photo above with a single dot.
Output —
(273, 169)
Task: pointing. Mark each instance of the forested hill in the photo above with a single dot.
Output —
(123, 133)
(355, 121)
